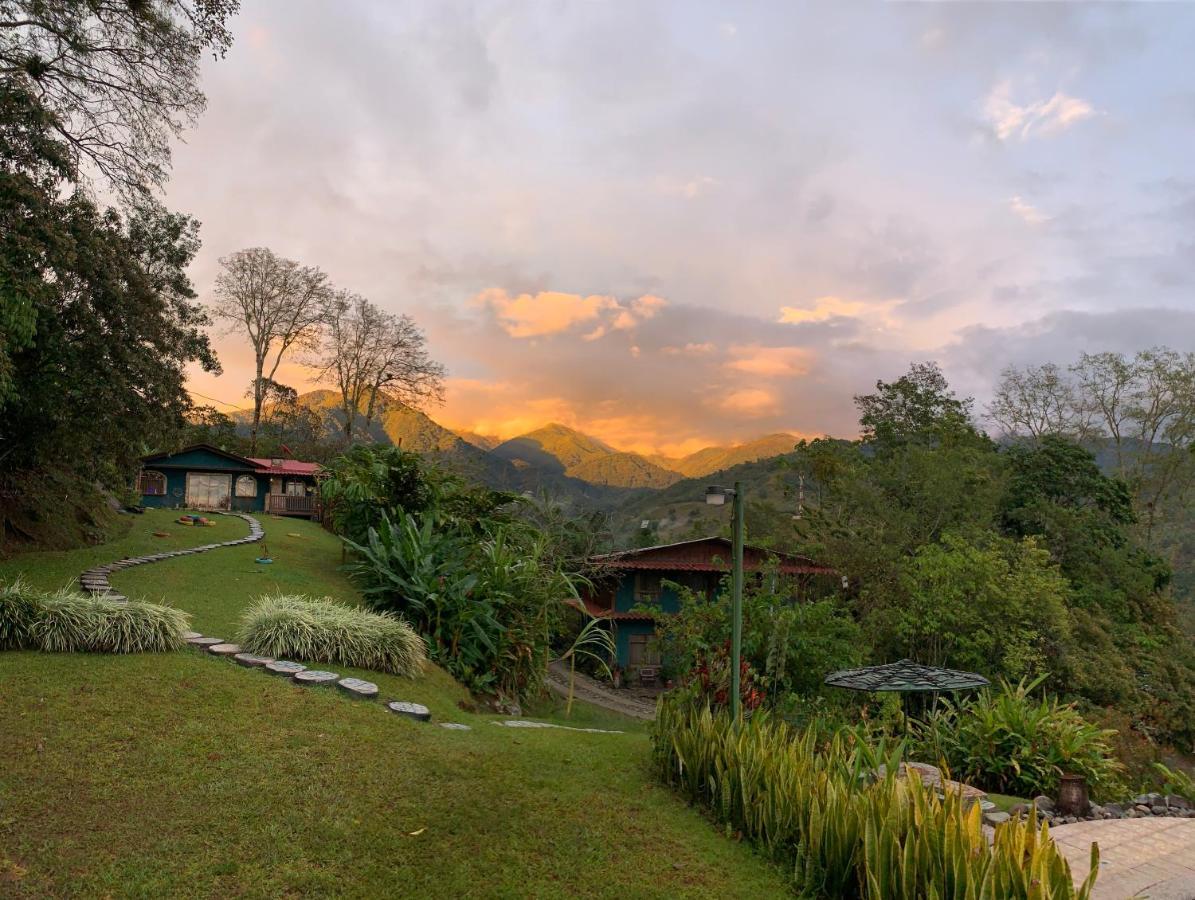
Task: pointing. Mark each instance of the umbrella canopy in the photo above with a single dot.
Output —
(905, 676)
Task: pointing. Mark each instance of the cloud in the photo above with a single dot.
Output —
(552, 312)
(750, 403)
(690, 349)
(1029, 213)
(826, 308)
(1040, 118)
(770, 362)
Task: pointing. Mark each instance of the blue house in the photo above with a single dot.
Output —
(205, 477)
(635, 578)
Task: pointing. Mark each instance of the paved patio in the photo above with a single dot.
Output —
(1151, 857)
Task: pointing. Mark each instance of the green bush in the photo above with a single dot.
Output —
(842, 831)
(1010, 742)
(66, 622)
(487, 600)
(18, 606)
(324, 631)
(1175, 781)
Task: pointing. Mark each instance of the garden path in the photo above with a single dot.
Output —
(95, 579)
(1148, 857)
(595, 693)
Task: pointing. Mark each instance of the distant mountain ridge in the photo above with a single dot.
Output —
(554, 456)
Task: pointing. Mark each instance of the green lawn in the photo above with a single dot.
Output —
(185, 775)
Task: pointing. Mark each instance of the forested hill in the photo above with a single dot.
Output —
(555, 458)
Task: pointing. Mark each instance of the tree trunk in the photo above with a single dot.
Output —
(256, 411)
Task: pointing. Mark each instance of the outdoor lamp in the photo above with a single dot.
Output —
(716, 496)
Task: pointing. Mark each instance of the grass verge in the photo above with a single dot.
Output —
(185, 775)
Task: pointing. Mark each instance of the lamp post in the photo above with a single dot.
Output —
(716, 496)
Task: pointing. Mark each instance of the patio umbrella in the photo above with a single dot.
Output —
(905, 676)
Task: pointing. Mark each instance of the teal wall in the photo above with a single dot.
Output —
(622, 639)
(176, 479)
(624, 601)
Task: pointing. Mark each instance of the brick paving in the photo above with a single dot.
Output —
(1149, 857)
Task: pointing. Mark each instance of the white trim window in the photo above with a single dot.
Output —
(152, 483)
(246, 486)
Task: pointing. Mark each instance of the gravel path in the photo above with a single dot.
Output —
(597, 694)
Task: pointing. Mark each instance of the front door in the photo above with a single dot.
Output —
(206, 490)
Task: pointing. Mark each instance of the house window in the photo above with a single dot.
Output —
(647, 587)
(246, 486)
(153, 484)
(295, 489)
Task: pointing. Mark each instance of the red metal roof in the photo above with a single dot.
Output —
(287, 467)
(710, 554)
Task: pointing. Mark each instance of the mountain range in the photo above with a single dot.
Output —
(553, 457)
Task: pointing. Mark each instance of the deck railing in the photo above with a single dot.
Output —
(290, 505)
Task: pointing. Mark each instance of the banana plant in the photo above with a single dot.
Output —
(595, 642)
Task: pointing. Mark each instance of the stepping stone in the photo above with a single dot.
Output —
(355, 687)
(224, 649)
(285, 667)
(249, 661)
(316, 677)
(204, 642)
(191, 635)
(455, 726)
(416, 711)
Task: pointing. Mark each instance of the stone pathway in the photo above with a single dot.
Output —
(298, 673)
(95, 580)
(1148, 857)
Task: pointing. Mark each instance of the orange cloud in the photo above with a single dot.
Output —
(689, 349)
(553, 312)
(770, 362)
(547, 312)
(753, 403)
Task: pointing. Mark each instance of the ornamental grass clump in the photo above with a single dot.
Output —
(841, 829)
(18, 606)
(324, 631)
(66, 622)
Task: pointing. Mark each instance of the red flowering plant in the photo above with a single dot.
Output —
(709, 680)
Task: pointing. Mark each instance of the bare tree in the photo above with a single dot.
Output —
(119, 78)
(1141, 408)
(348, 352)
(404, 372)
(278, 303)
(1037, 401)
(372, 356)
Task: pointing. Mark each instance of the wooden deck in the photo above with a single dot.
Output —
(288, 505)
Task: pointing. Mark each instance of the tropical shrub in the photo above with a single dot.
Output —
(72, 623)
(1011, 742)
(839, 828)
(997, 607)
(790, 639)
(487, 599)
(325, 631)
(18, 606)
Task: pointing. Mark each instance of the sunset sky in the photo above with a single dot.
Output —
(676, 224)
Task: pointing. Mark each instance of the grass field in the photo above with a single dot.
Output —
(185, 775)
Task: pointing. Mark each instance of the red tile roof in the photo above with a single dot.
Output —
(287, 467)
